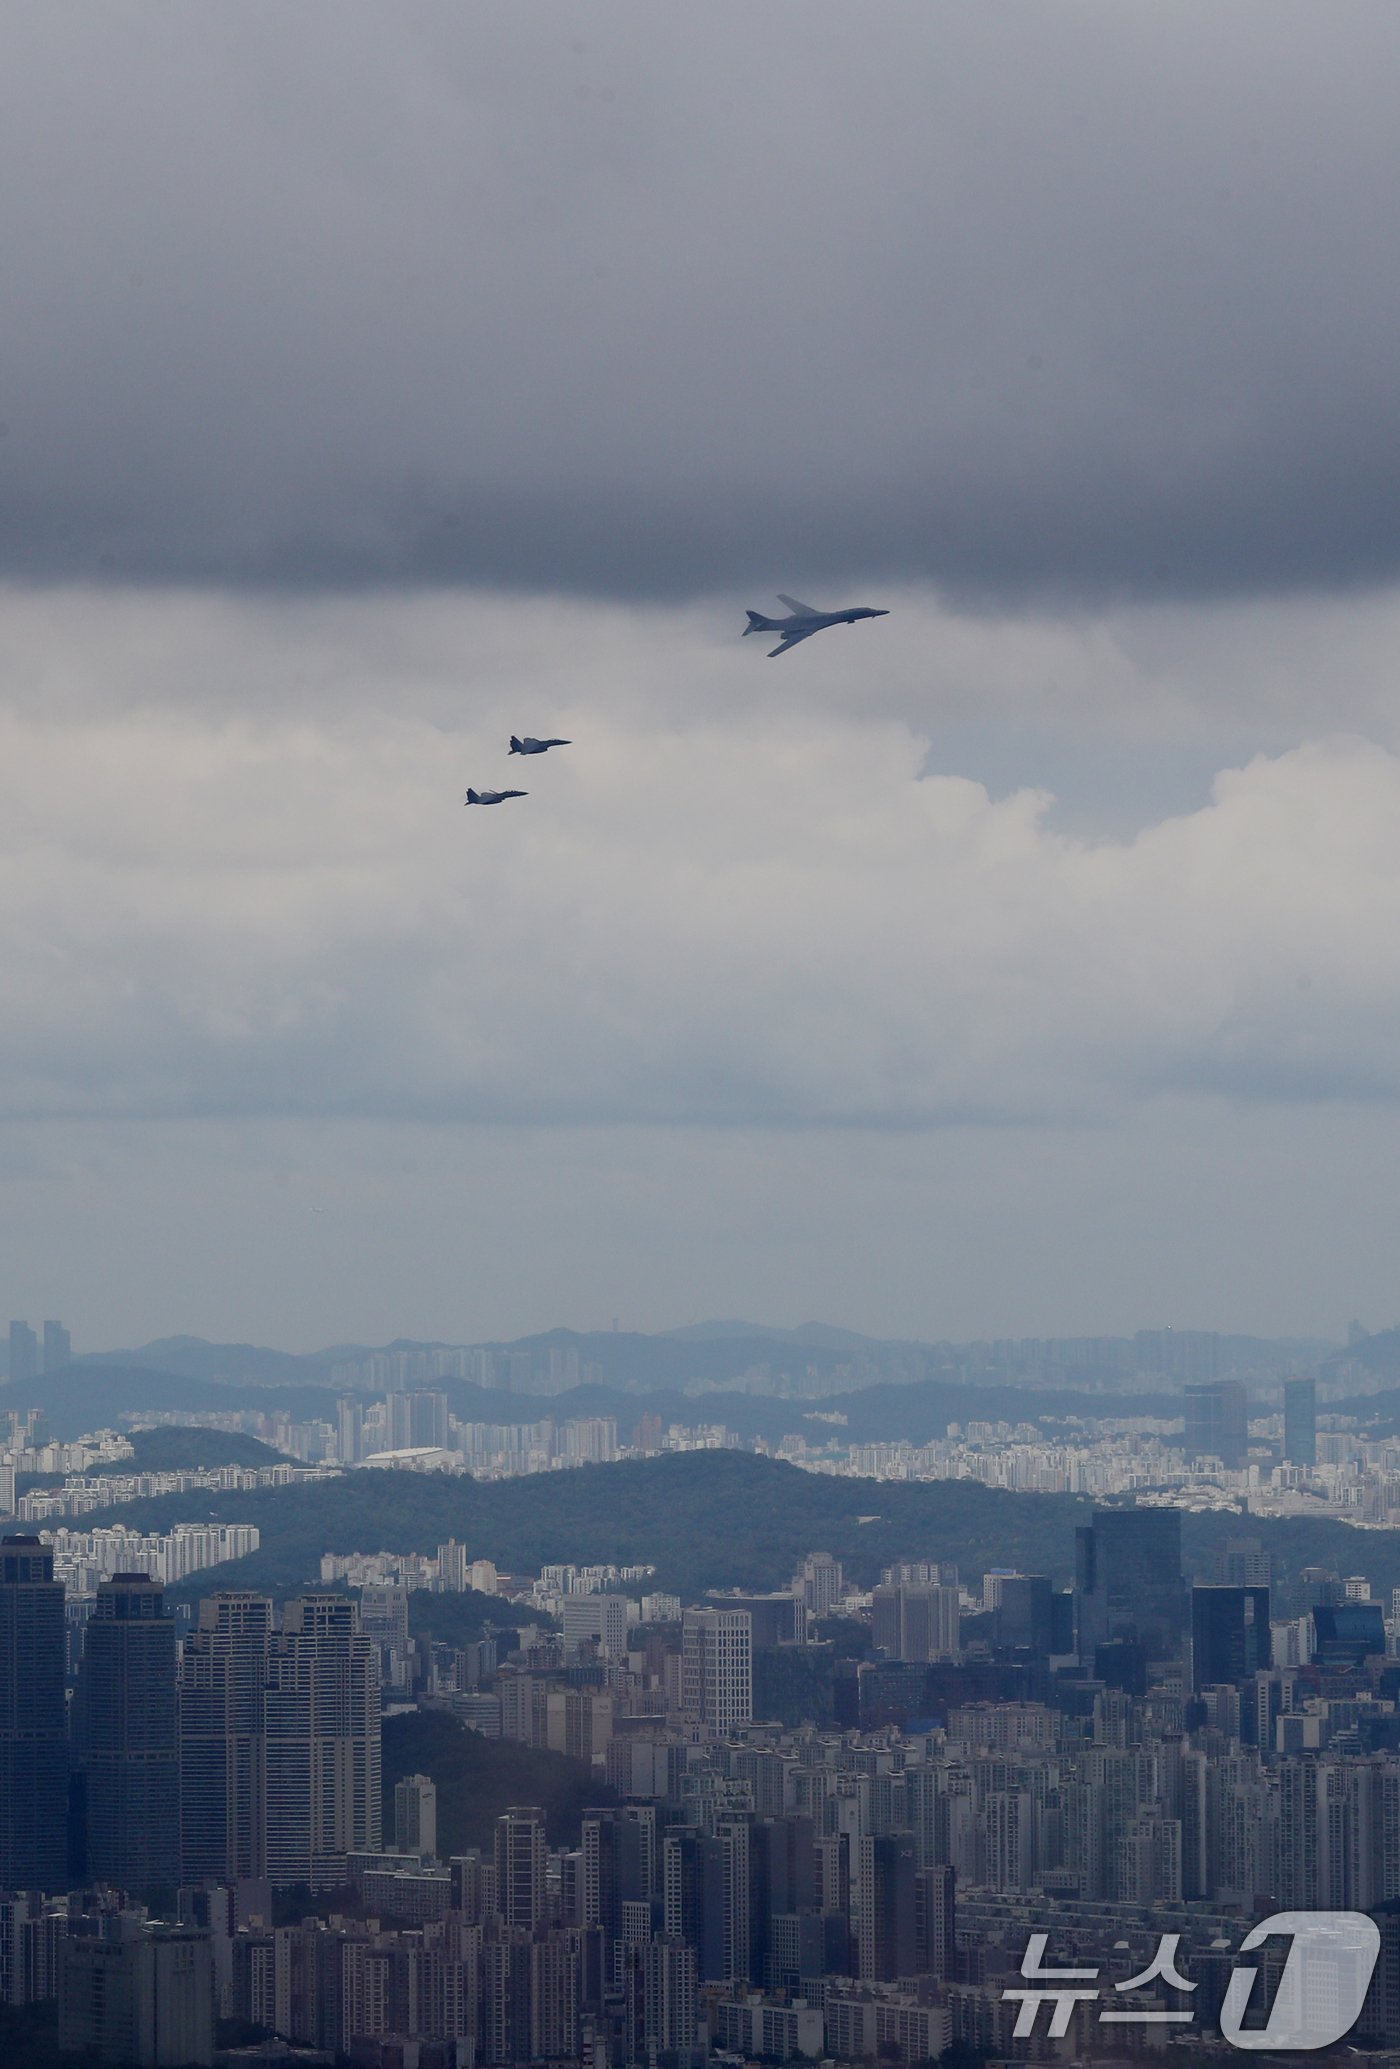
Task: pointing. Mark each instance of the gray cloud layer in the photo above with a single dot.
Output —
(1077, 300)
(723, 905)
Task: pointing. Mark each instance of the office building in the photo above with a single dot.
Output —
(415, 1815)
(58, 1347)
(777, 1619)
(33, 1720)
(1230, 1636)
(1024, 1614)
(1217, 1423)
(717, 1667)
(820, 1583)
(1346, 1634)
(917, 1620)
(597, 1619)
(1128, 1582)
(127, 1743)
(1300, 1422)
(24, 1353)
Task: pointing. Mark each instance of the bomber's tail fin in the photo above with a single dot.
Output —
(757, 623)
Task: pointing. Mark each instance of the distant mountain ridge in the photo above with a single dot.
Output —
(811, 1362)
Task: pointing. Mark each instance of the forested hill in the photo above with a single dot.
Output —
(711, 1519)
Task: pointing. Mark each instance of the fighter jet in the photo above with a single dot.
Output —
(803, 622)
(491, 797)
(529, 746)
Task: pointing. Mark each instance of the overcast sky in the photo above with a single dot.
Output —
(378, 381)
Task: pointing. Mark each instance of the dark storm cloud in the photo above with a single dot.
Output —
(1080, 300)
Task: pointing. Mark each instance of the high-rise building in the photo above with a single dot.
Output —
(322, 1714)
(58, 1347)
(1217, 1422)
(917, 1620)
(350, 1431)
(1244, 1563)
(1300, 1422)
(24, 1353)
(1025, 1612)
(1230, 1636)
(127, 1744)
(384, 1619)
(415, 1815)
(1128, 1581)
(820, 1583)
(717, 1667)
(1346, 1634)
(669, 1985)
(520, 1866)
(33, 1720)
(135, 1993)
(417, 1421)
(601, 1618)
(887, 1908)
(223, 1740)
(935, 1923)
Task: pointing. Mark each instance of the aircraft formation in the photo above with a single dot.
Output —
(802, 621)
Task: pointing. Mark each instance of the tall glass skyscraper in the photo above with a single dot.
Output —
(33, 1722)
(127, 1741)
(1128, 1581)
(1300, 1422)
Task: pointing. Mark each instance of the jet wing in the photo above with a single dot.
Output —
(799, 610)
(790, 639)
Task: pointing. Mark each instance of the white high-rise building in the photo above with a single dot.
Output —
(600, 1617)
(717, 1667)
(820, 1583)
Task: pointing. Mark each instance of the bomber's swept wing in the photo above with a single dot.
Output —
(790, 639)
(799, 610)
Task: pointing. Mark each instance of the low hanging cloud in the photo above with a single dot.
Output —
(1074, 303)
(280, 908)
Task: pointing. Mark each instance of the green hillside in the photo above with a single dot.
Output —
(479, 1778)
(710, 1519)
(707, 1519)
(175, 1448)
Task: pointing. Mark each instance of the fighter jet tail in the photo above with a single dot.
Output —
(515, 747)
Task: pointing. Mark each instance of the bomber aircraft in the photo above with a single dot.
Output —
(803, 622)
